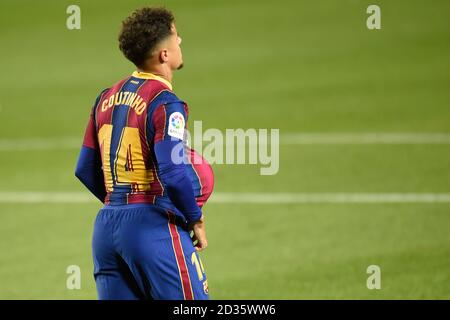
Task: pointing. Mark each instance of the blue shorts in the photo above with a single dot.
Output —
(144, 252)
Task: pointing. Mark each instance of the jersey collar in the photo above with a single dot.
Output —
(146, 75)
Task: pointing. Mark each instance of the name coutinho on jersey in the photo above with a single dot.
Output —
(130, 99)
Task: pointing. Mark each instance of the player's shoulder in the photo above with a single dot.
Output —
(99, 97)
(102, 93)
(166, 98)
(106, 91)
(115, 86)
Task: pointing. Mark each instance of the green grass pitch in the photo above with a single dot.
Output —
(300, 66)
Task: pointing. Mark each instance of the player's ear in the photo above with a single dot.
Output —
(163, 56)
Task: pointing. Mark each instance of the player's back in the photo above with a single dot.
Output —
(123, 117)
(127, 121)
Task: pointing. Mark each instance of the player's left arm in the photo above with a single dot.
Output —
(89, 167)
(169, 124)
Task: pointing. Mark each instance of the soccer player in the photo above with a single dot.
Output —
(141, 243)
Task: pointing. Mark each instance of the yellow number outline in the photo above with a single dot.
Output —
(129, 152)
(197, 262)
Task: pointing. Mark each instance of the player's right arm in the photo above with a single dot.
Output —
(89, 166)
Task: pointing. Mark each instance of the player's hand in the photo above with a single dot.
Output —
(199, 234)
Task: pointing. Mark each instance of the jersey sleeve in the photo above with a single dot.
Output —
(90, 135)
(89, 166)
(169, 122)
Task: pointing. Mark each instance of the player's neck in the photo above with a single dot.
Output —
(162, 71)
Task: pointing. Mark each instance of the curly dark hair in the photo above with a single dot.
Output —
(142, 31)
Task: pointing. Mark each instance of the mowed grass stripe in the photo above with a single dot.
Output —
(255, 198)
(365, 138)
(285, 139)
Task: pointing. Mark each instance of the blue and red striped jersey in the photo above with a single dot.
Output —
(126, 123)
